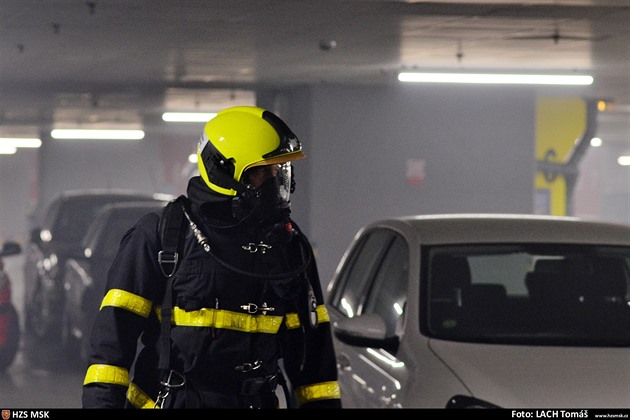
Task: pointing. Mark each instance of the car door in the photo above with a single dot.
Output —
(373, 281)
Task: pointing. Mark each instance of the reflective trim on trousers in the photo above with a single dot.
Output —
(316, 392)
(138, 398)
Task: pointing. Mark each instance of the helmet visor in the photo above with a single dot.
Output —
(283, 181)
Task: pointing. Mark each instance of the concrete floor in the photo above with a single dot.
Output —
(25, 385)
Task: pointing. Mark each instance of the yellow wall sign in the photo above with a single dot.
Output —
(560, 123)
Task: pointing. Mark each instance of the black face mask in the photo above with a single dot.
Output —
(270, 202)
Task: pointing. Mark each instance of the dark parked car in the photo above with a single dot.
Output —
(56, 236)
(9, 320)
(86, 271)
(480, 311)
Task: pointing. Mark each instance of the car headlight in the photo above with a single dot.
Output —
(50, 266)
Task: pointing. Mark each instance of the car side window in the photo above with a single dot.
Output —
(388, 293)
(364, 260)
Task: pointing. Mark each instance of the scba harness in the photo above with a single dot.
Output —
(178, 222)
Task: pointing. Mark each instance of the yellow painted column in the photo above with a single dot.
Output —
(560, 123)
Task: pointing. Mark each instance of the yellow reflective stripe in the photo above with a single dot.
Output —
(106, 374)
(322, 314)
(316, 392)
(293, 321)
(220, 318)
(128, 301)
(138, 398)
(247, 323)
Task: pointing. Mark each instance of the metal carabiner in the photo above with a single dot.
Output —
(252, 308)
(247, 367)
(168, 384)
(253, 248)
(161, 398)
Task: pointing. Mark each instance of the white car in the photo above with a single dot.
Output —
(504, 311)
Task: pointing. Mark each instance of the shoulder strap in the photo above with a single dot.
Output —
(172, 230)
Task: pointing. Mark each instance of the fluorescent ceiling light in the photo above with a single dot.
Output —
(624, 160)
(527, 79)
(7, 149)
(20, 142)
(87, 134)
(188, 116)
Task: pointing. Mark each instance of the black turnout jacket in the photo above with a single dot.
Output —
(245, 306)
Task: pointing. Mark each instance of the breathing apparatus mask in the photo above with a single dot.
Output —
(271, 201)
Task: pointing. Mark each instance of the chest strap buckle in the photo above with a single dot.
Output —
(252, 308)
(252, 247)
(248, 367)
(168, 258)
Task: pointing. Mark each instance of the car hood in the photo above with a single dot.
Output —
(516, 376)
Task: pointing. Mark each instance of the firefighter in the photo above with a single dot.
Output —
(236, 313)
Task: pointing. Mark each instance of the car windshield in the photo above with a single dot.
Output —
(543, 295)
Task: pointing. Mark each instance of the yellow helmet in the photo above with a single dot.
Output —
(240, 138)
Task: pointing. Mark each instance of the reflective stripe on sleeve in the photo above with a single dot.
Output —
(128, 301)
(106, 374)
(316, 392)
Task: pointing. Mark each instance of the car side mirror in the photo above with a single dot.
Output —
(10, 248)
(368, 330)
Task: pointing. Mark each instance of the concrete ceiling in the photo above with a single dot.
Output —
(126, 60)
